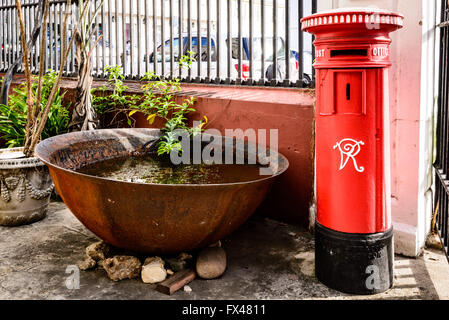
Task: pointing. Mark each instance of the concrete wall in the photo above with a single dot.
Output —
(411, 105)
(429, 94)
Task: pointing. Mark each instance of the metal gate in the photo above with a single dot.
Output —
(441, 164)
(248, 42)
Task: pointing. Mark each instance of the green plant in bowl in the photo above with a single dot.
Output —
(158, 101)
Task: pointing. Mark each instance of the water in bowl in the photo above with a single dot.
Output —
(149, 169)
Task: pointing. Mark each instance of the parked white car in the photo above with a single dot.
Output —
(257, 59)
(165, 66)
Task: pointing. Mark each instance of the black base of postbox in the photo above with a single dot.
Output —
(354, 263)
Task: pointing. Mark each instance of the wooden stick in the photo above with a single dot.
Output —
(176, 281)
(4, 88)
(42, 58)
(43, 54)
(23, 43)
(44, 113)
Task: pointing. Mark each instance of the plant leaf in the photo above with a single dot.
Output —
(151, 118)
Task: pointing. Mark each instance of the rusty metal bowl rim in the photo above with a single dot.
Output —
(48, 140)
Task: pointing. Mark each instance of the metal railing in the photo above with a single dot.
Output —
(441, 164)
(10, 35)
(254, 42)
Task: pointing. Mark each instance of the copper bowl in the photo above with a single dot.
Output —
(150, 218)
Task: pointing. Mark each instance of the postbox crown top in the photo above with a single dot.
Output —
(347, 17)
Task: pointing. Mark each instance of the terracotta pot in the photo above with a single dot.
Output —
(25, 188)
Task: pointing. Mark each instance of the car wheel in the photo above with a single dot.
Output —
(306, 79)
(269, 73)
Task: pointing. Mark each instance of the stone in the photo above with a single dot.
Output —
(187, 288)
(181, 262)
(87, 264)
(122, 267)
(216, 244)
(433, 242)
(185, 256)
(175, 264)
(211, 263)
(153, 270)
(100, 264)
(98, 250)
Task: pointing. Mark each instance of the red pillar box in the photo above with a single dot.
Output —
(354, 236)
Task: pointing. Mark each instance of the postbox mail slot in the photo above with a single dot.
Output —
(342, 92)
(349, 92)
(349, 53)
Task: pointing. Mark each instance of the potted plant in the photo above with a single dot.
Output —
(34, 110)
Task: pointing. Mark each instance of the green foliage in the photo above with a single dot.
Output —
(13, 117)
(158, 101)
(117, 101)
(186, 60)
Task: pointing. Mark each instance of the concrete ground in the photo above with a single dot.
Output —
(266, 260)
